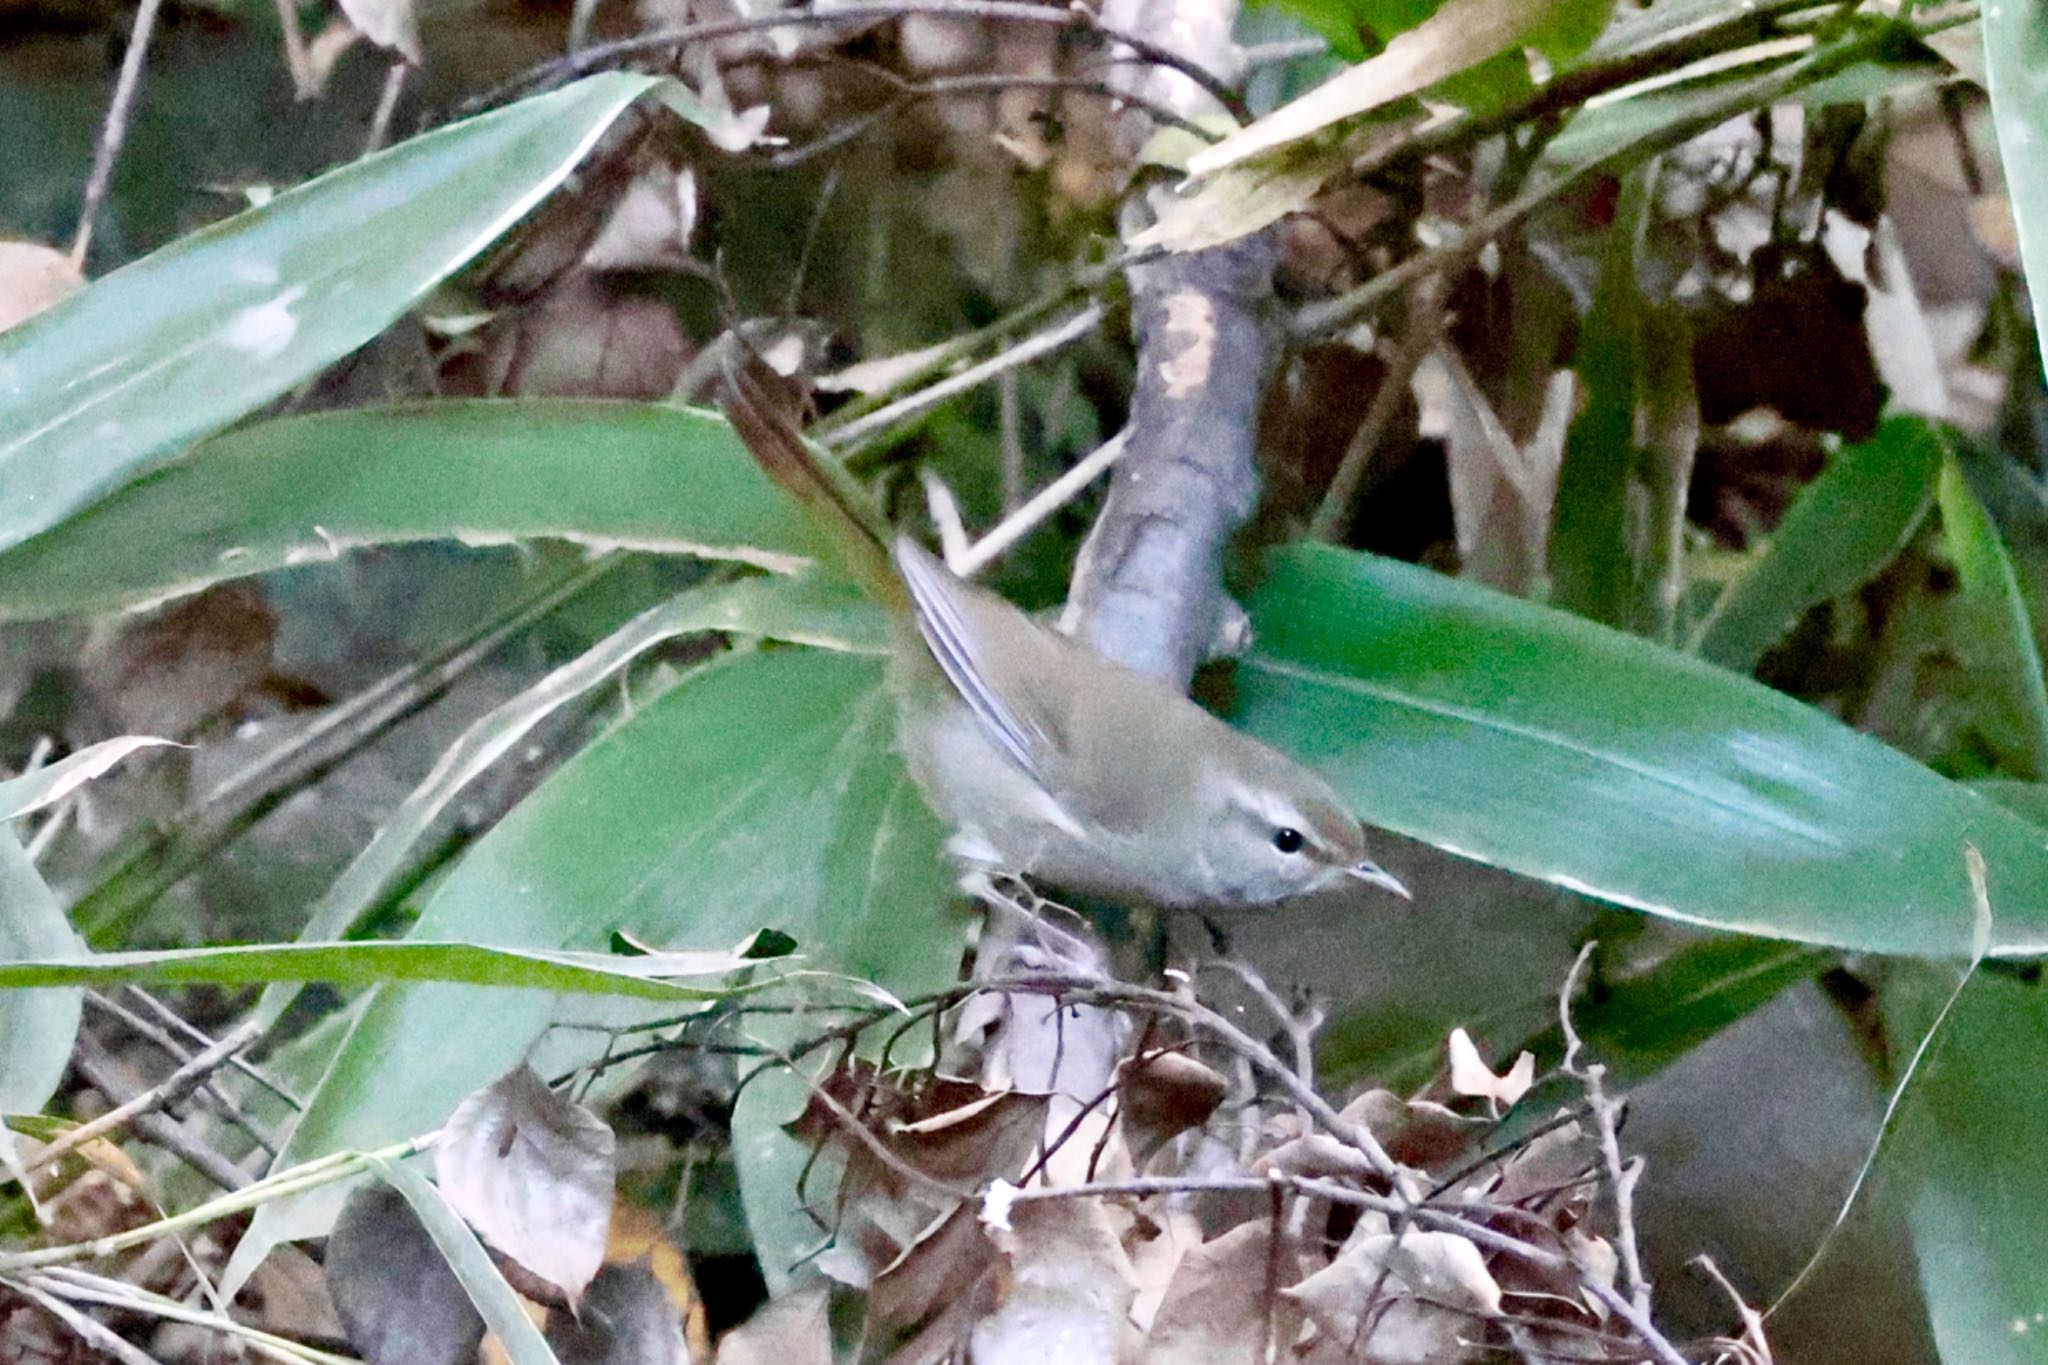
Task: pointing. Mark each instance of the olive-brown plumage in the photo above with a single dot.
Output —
(1051, 761)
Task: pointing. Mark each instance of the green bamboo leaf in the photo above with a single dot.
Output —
(2028, 800)
(1592, 571)
(1541, 743)
(1460, 35)
(2004, 627)
(304, 490)
(1972, 1151)
(39, 1026)
(763, 790)
(1837, 535)
(2016, 58)
(1640, 1024)
(125, 373)
(648, 977)
(813, 608)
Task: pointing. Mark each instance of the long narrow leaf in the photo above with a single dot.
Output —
(1843, 528)
(37, 1027)
(2016, 58)
(762, 790)
(2004, 625)
(305, 490)
(186, 340)
(809, 609)
(370, 963)
(1541, 743)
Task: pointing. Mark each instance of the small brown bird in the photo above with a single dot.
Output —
(1049, 760)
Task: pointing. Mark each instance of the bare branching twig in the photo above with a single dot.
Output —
(1606, 1115)
(172, 1089)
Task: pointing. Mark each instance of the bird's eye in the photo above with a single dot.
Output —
(1288, 840)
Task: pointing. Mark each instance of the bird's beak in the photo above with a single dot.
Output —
(1376, 875)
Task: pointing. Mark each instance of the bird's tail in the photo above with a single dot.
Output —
(760, 405)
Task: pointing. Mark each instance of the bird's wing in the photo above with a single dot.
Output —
(942, 606)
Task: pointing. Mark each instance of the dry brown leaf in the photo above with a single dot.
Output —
(1158, 1241)
(586, 340)
(171, 671)
(650, 226)
(1441, 1267)
(1216, 1310)
(324, 53)
(1432, 1287)
(1094, 1148)
(1164, 1094)
(626, 1318)
(1066, 1288)
(1502, 493)
(1419, 1133)
(940, 1265)
(291, 1289)
(531, 1171)
(1315, 1156)
(398, 1301)
(1550, 1162)
(1598, 1264)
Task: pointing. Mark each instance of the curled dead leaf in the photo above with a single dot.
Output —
(1470, 1074)
(531, 1171)
(1419, 1133)
(1161, 1095)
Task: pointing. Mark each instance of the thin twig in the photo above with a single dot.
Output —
(946, 354)
(296, 59)
(162, 1095)
(1621, 1175)
(87, 1329)
(602, 56)
(96, 1067)
(1332, 314)
(1042, 505)
(1010, 446)
(239, 1062)
(1980, 947)
(944, 510)
(311, 1175)
(387, 105)
(1232, 1037)
(114, 131)
(909, 92)
(135, 877)
(222, 1103)
(1023, 352)
(1284, 50)
(864, 1135)
(85, 1287)
(1300, 1035)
